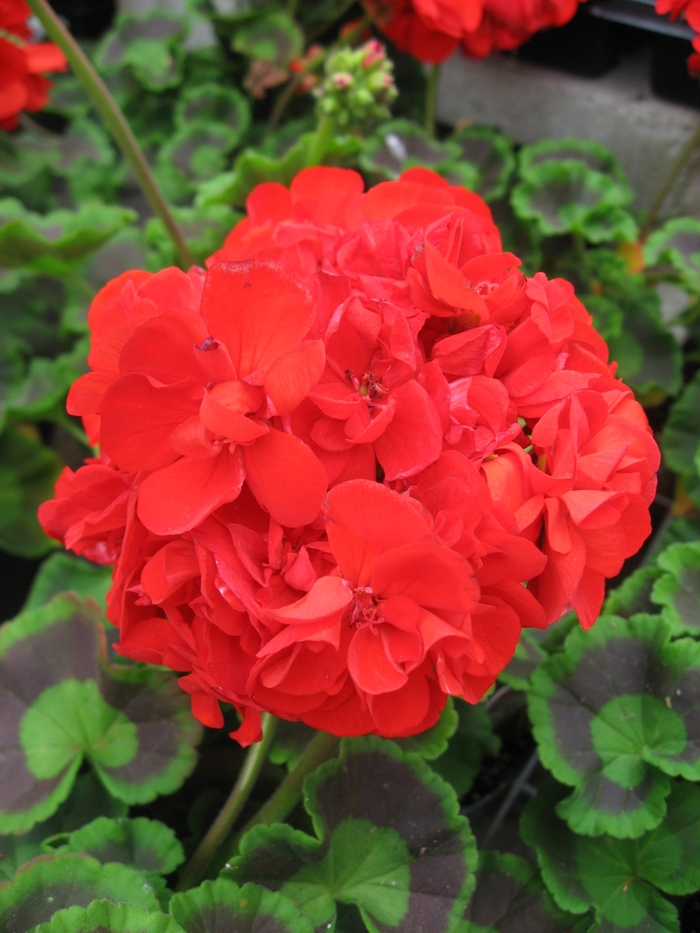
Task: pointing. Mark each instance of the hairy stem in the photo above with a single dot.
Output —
(431, 95)
(668, 184)
(288, 794)
(114, 119)
(195, 869)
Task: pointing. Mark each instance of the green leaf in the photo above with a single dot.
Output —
(680, 439)
(569, 197)
(205, 229)
(434, 742)
(473, 738)
(87, 800)
(389, 841)
(147, 845)
(271, 37)
(678, 590)
(486, 156)
(222, 906)
(291, 738)
(149, 47)
(510, 898)
(61, 573)
(26, 238)
(634, 594)
(583, 151)
(105, 917)
(194, 154)
(49, 884)
(677, 243)
(212, 104)
(613, 716)
(60, 703)
(28, 471)
(615, 876)
(399, 145)
(528, 655)
(25, 156)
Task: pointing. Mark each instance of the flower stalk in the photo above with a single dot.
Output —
(114, 120)
(431, 94)
(676, 169)
(288, 794)
(229, 813)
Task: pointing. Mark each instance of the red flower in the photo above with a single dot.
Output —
(343, 335)
(23, 64)
(506, 24)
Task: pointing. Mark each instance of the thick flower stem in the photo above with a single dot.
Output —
(668, 184)
(321, 143)
(115, 121)
(197, 866)
(288, 794)
(431, 95)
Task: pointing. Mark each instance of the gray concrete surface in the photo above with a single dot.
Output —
(529, 102)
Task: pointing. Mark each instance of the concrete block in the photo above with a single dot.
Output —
(529, 102)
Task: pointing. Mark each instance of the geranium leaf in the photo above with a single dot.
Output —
(678, 590)
(473, 738)
(510, 898)
(389, 840)
(399, 145)
(62, 572)
(149, 46)
(434, 742)
(615, 876)
(193, 154)
(271, 37)
(204, 228)
(488, 155)
(64, 235)
(28, 472)
(679, 440)
(634, 594)
(584, 151)
(677, 243)
(106, 917)
(568, 197)
(222, 907)
(612, 710)
(147, 845)
(60, 703)
(52, 883)
(291, 738)
(212, 104)
(528, 655)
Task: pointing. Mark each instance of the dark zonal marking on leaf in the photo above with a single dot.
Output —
(619, 667)
(222, 918)
(156, 29)
(222, 907)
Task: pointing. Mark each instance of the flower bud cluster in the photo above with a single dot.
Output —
(358, 86)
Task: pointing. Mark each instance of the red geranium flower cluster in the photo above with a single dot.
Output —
(343, 468)
(690, 10)
(431, 30)
(23, 65)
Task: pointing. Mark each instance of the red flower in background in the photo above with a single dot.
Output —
(486, 471)
(23, 65)
(431, 30)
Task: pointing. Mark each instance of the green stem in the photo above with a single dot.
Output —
(322, 140)
(283, 100)
(292, 7)
(668, 184)
(431, 95)
(114, 120)
(288, 794)
(220, 828)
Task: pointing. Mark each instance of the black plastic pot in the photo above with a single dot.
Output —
(669, 71)
(87, 19)
(587, 46)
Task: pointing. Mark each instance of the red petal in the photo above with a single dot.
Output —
(432, 575)
(258, 309)
(290, 378)
(413, 440)
(320, 194)
(177, 498)
(286, 478)
(369, 666)
(364, 520)
(138, 420)
(163, 347)
(228, 423)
